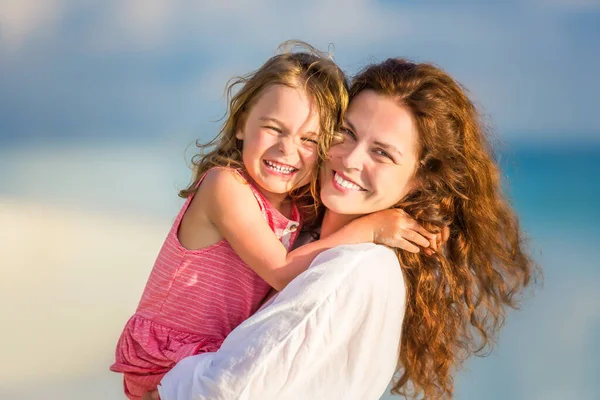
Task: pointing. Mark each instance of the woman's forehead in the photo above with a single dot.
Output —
(379, 117)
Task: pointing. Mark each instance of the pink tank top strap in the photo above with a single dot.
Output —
(263, 203)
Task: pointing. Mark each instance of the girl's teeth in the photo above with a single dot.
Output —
(344, 183)
(279, 168)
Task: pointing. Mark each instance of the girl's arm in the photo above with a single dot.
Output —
(234, 211)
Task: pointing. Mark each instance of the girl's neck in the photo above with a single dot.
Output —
(280, 201)
(333, 222)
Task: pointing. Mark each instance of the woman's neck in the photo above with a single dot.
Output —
(333, 222)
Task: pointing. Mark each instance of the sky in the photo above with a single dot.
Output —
(152, 70)
(100, 102)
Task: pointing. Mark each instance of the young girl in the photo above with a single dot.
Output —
(228, 245)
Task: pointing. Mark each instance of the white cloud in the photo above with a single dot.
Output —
(144, 18)
(20, 20)
(139, 24)
(531, 75)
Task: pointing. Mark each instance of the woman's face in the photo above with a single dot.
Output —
(372, 169)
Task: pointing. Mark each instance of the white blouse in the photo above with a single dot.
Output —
(332, 333)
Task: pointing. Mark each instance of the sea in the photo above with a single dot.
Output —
(549, 349)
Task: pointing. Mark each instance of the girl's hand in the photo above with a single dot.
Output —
(395, 228)
(440, 239)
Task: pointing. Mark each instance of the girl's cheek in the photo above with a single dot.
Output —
(312, 159)
(310, 154)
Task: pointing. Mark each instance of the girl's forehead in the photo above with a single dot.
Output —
(287, 106)
(282, 95)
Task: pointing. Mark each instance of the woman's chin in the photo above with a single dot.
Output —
(340, 206)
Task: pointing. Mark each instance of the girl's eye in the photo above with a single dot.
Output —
(273, 128)
(309, 141)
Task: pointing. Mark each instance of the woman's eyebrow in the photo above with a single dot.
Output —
(347, 121)
(389, 147)
(385, 146)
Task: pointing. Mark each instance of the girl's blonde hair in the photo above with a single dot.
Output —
(309, 69)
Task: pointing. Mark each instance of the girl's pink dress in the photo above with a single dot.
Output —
(192, 300)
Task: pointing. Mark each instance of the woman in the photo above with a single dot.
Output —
(412, 140)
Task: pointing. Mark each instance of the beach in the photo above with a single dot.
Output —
(77, 249)
(71, 281)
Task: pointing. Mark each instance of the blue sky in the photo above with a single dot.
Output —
(100, 100)
(156, 69)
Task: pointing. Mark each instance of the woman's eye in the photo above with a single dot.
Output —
(348, 132)
(383, 154)
(310, 141)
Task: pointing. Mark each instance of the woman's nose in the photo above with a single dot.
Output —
(353, 158)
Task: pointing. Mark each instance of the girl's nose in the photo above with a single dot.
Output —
(286, 145)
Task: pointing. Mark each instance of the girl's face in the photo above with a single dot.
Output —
(372, 169)
(280, 135)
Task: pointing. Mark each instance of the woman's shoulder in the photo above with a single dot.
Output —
(363, 249)
(358, 267)
(360, 257)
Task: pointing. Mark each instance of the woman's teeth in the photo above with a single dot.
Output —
(344, 183)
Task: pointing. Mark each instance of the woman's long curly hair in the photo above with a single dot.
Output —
(458, 298)
(309, 69)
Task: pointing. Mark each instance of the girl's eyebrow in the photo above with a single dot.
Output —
(278, 122)
(385, 146)
(270, 119)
